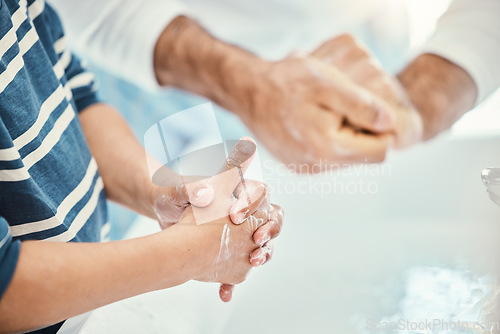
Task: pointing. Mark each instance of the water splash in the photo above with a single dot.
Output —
(443, 301)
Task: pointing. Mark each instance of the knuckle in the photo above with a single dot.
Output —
(371, 69)
(278, 211)
(277, 229)
(347, 37)
(358, 53)
(371, 105)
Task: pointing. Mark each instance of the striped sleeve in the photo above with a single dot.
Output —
(82, 84)
(80, 81)
(9, 253)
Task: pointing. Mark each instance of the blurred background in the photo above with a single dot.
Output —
(420, 244)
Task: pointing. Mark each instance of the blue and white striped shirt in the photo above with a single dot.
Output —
(50, 188)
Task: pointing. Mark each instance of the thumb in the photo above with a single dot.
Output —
(241, 156)
(199, 193)
(172, 187)
(170, 202)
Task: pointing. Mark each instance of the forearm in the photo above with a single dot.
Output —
(120, 157)
(188, 57)
(55, 281)
(441, 91)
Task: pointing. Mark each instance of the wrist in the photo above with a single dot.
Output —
(148, 193)
(440, 90)
(189, 244)
(174, 255)
(242, 82)
(169, 49)
(188, 57)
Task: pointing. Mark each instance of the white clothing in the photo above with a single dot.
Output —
(120, 35)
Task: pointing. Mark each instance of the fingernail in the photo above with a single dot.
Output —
(240, 217)
(225, 296)
(204, 196)
(259, 259)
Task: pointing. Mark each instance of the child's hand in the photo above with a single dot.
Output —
(178, 192)
(172, 198)
(225, 251)
(224, 247)
(173, 193)
(239, 223)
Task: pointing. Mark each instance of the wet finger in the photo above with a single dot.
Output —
(262, 255)
(241, 155)
(226, 292)
(250, 197)
(272, 228)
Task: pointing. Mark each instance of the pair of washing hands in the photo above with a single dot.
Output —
(230, 227)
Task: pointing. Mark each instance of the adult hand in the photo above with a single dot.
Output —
(308, 112)
(303, 110)
(353, 59)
